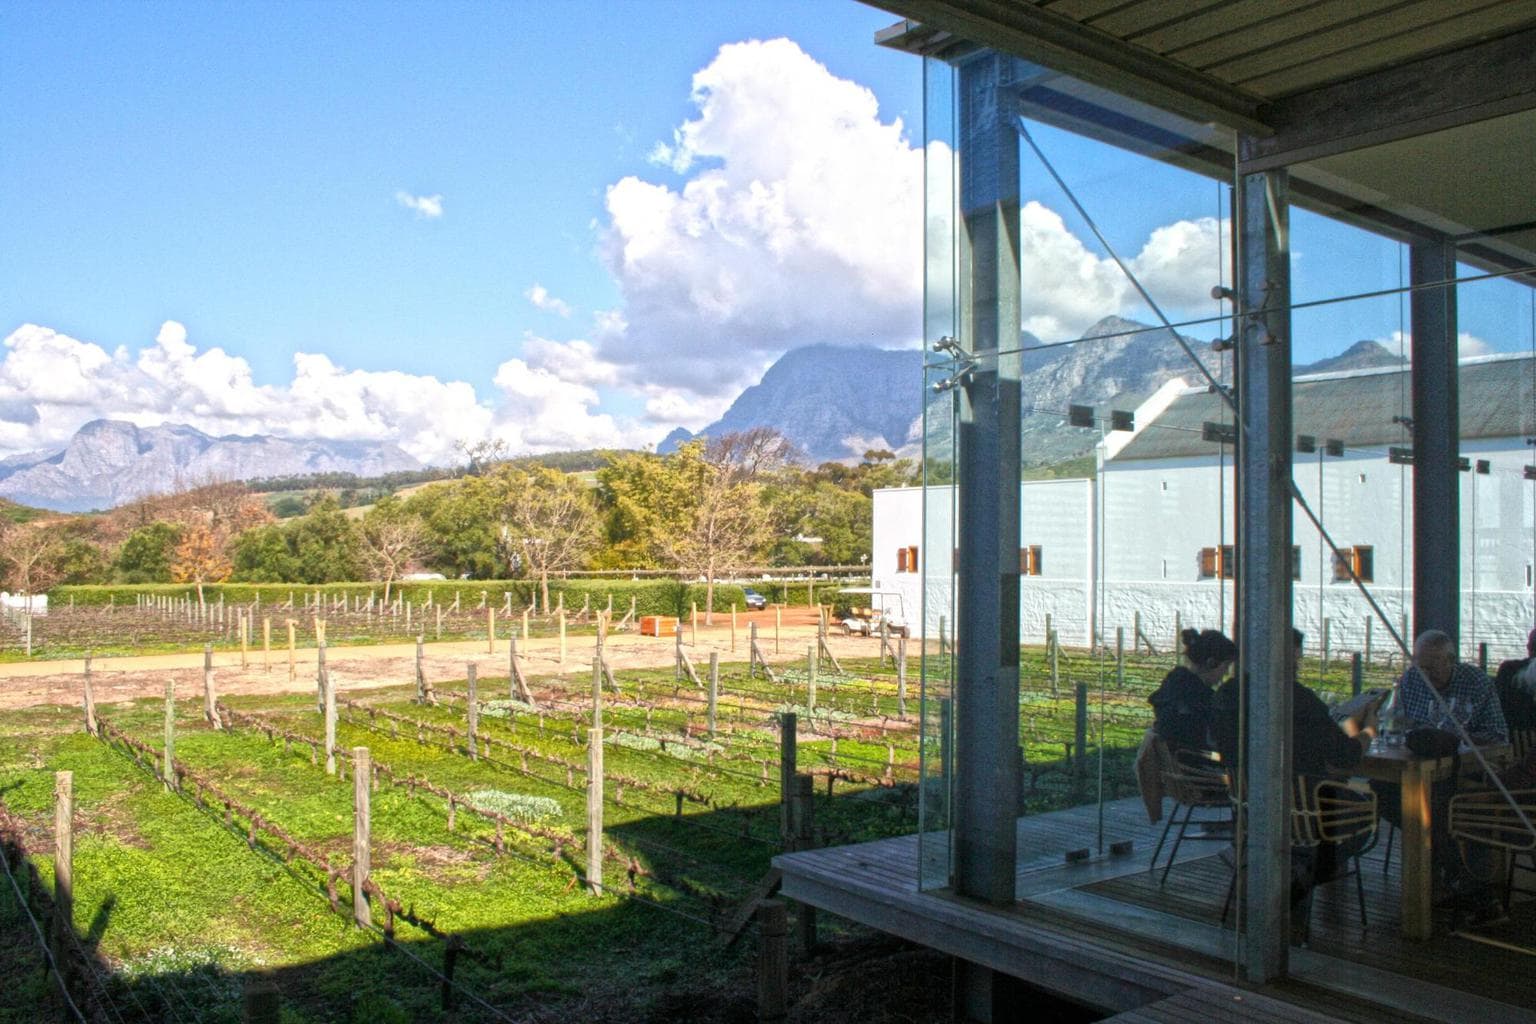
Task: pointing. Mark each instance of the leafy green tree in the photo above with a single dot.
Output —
(262, 555)
(546, 521)
(80, 560)
(459, 527)
(145, 556)
(326, 544)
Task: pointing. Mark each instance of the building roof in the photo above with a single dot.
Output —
(1357, 407)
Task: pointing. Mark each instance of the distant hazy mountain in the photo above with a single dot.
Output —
(109, 462)
(835, 402)
(832, 402)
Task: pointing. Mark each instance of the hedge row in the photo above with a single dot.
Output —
(652, 597)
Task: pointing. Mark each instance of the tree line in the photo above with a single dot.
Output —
(712, 506)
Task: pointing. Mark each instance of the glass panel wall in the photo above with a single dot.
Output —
(1128, 442)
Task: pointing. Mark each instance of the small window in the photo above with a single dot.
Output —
(1029, 561)
(906, 559)
(1218, 562)
(1361, 558)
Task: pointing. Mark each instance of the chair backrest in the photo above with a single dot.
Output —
(1343, 812)
(1196, 778)
(1521, 741)
(1490, 820)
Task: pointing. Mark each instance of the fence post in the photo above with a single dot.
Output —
(321, 682)
(330, 730)
(170, 735)
(1080, 731)
(1368, 625)
(1354, 674)
(714, 689)
(562, 630)
(490, 631)
(1055, 645)
(90, 699)
(210, 704)
(244, 647)
(362, 783)
(421, 671)
(1482, 657)
(788, 723)
(751, 650)
(1136, 632)
(805, 806)
(472, 710)
(63, 871)
(266, 643)
(733, 627)
(595, 798)
(292, 670)
(1119, 657)
(677, 658)
(1178, 637)
(1048, 629)
(772, 961)
(1327, 641)
(810, 671)
(941, 636)
(901, 676)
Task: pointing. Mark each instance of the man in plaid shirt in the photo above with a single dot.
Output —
(1466, 694)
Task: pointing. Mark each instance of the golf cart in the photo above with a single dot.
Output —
(869, 608)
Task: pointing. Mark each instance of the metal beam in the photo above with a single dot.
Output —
(1436, 430)
(1264, 562)
(1487, 79)
(1056, 41)
(987, 479)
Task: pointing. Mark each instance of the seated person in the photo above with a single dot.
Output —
(1182, 703)
(1465, 695)
(1320, 748)
(1516, 686)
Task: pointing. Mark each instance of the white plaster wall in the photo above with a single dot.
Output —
(1157, 515)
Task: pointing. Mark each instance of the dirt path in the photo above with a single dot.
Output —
(24, 684)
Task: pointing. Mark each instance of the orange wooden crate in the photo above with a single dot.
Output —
(658, 625)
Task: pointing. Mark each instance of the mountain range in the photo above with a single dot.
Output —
(836, 402)
(832, 402)
(109, 462)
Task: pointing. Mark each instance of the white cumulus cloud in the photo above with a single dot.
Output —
(1400, 343)
(539, 296)
(428, 207)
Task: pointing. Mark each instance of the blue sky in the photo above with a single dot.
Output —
(561, 224)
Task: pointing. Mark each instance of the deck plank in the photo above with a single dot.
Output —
(1132, 944)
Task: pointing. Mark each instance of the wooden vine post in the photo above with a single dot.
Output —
(266, 643)
(329, 693)
(901, 676)
(562, 629)
(490, 630)
(90, 700)
(472, 710)
(714, 689)
(210, 703)
(772, 961)
(788, 723)
(421, 672)
(595, 784)
(362, 775)
(244, 645)
(63, 871)
(292, 671)
(170, 735)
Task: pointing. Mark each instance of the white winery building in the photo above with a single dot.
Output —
(1151, 538)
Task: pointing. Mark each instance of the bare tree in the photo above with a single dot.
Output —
(392, 539)
(548, 521)
(29, 559)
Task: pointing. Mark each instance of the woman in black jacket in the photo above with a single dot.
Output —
(1182, 704)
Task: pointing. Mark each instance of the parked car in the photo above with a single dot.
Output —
(755, 601)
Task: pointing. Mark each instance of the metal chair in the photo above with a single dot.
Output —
(1326, 811)
(1196, 780)
(1488, 820)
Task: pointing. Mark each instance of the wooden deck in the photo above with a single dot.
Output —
(1106, 932)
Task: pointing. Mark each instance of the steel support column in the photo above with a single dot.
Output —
(1436, 429)
(987, 478)
(1264, 561)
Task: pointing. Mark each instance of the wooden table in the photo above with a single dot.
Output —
(1415, 776)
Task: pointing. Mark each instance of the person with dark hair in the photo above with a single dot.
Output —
(1515, 684)
(1321, 748)
(1181, 705)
